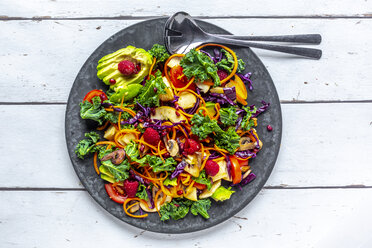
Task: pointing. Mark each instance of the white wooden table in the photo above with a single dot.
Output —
(320, 191)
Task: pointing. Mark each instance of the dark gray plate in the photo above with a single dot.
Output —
(144, 35)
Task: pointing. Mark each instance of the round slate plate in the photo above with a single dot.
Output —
(144, 35)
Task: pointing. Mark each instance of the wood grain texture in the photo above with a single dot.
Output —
(40, 60)
(296, 218)
(142, 8)
(323, 145)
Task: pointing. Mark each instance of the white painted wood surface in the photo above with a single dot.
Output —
(335, 145)
(61, 47)
(221, 8)
(319, 194)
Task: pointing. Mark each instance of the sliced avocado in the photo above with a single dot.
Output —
(130, 91)
(105, 171)
(107, 67)
(210, 108)
(107, 178)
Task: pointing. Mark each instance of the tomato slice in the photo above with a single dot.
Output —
(114, 195)
(200, 186)
(236, 172)
(88, 97)
(179, 79)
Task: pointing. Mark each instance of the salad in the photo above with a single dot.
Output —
(175, 133)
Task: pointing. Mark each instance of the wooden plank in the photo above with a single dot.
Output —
(116, 8)
(40, 60)
(322, 145)
(336, 217)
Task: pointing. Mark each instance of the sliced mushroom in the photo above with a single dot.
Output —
(116, 157)
(246, 144)
(172, 147)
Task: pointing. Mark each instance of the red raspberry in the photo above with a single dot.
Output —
(127, 68)
(130, 188)
(191, 146)
(211, 168)
(222, 74)
(151, 136)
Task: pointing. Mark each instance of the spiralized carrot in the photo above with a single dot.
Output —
(105, 143)
(145, 143)
(204, 162)
(95, 163)
(217, 106)
(161, 157)
(127, 208)
(103, 127)
(231, 52)
(151, 68)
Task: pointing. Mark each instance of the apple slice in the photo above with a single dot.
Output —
(168, 113)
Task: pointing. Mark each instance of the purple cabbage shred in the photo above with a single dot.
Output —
(179, 169)
(261, 109)
(246, 79)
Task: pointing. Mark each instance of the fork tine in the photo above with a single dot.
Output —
(172, 32)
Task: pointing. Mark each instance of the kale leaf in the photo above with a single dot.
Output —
(199, 65)
(159, 52)
(176, 209)
(201, 207)
(228, 140)
(227, 63)
(86, 146)
(141, 192)
(203, 179)
(158, 165)
(247, 121)
(202, 126)
(148, 96)
(92, 111)
(228, 116)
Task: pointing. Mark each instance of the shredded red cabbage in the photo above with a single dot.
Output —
(218, 98)
(146, 110)
(238, 121)
(179, 169)
(228, 165)
(245, 154)
(106, 104)
(217, 55)
(246, 79)
(248, 179)
(208, 54)
(261, 109)
(134, 119)
(230, 93)
(150, 198)
(158, 126)
(193, 109)
(138, 178)
(255, 137)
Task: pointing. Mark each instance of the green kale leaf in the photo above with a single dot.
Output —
(203, 179)
(227, 63)
(201, 207)
(86, 146)
(202, 126)
(158, 165)
(176, 209)
(228, 140)
(119, 172)
(247, 122)
(148, 96)
(159, 52)
(141, 192)
(228, 116)
(92, 111)
(199, 65)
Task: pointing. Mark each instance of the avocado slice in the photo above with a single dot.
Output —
(107, 67)
(106, 175)
(130, 91)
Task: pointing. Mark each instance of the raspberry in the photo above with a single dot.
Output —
(127, 68)
(191, 146)
(151, 136)
(130, 188)
(211, 168)
(222, 74)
